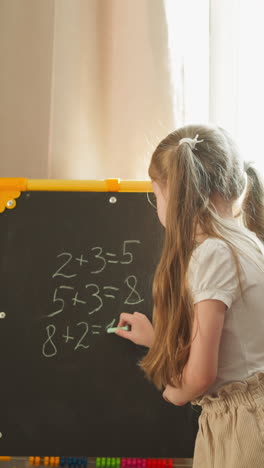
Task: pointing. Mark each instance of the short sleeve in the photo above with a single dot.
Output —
(212, 273)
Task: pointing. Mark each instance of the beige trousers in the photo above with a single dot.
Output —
(231, 426)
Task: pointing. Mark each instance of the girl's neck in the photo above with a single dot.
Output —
(223, 208)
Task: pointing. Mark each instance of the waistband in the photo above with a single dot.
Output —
(235, 393)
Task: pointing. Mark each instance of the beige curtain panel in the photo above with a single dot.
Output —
(89, 87)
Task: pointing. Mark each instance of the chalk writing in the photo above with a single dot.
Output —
(126, 253)
(81, 260)
(81, 309)
(49, 343)
(58, 272)
(137, 299)
(67, 336)
(80, 343)
(59, 299)
(101, 258)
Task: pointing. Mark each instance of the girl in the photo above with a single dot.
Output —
(207, 342)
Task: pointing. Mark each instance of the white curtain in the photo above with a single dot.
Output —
(125, 74)
(237, 73)
(89, 87)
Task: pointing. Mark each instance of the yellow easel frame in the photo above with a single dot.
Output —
(11, 188)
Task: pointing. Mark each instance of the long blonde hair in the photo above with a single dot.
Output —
(191, 177)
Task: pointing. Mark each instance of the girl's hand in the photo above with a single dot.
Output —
(142, 331)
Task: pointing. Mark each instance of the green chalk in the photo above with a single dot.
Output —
(112, 330)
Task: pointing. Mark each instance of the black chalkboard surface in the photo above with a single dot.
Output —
(71, 262)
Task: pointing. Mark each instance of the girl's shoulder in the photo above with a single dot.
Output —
(212, 257)
(212, 272)
(247, 251)
(211, 245)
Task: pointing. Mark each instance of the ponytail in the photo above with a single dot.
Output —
(253, 204)
(173, 313)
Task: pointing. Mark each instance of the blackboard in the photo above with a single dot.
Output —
(71, 262)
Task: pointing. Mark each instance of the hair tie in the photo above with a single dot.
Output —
(191, 141)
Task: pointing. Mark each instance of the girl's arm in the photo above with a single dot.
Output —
(201, 369)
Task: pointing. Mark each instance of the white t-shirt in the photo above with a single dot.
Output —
(212, 275)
